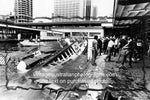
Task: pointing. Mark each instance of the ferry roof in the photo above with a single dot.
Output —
(22, 28)
(19, 27)
(79, 23)
(29, 29)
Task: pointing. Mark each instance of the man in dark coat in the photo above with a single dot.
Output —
(105, 43)
(99, 46)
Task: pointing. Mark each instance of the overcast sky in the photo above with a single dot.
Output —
(43, 8)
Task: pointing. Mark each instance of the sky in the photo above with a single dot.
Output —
(44, 8)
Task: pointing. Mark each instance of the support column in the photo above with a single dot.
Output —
(70, 34)
(89, 53)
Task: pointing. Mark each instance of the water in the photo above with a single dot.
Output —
(53, 44)
(7, 45)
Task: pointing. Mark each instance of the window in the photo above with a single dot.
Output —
(94, 33)
(50, 34)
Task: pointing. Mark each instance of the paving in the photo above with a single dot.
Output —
(136, 78)
(96, 77)
(94, 80)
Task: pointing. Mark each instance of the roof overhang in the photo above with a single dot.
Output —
(131, 12)
(78, 23)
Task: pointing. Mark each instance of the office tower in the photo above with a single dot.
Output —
(69, 9)
(88, 9)
(94, 12)
(23, 11)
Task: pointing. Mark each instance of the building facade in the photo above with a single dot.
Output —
(23, 11)
(71, 10)
(88, 9)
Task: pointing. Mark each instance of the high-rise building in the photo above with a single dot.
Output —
(88, 9)
(23, 11)
(69, 9)
(94, 12)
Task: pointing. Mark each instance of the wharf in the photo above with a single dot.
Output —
(100, 74)
(111, 74)
(94, 76)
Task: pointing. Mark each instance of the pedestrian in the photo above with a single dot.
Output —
(148, 52)
(128, 51)
(121, 44)
(94, 50)
(105, 44)
(116, 46)
(67, 39)
(139, 48)
(109, 49)
(99, 46)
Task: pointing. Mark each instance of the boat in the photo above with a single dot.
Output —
(31, 43)
(50, 35)
(70, 52)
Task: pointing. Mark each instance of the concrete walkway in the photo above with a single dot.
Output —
(93, 79)
(96, 81)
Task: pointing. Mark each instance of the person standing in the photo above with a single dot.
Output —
(99, 46)
(94, 50)
(105, 44)
(109, 49)
(129, 49)
(139, 47)
(19, 36)
(121, 44)
(116, 46)
(67, 39)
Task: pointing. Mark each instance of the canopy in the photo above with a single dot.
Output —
(131, 14)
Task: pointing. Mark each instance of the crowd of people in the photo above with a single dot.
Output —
(124, 47)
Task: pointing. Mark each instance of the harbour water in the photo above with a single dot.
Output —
(9, 45)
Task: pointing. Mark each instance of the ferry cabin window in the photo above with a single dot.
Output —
(50, 34)
(94, 33)
(85, 33)
(79, 33)
(59, 35)
(76, 34)
(67, 34)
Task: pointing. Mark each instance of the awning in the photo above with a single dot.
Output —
(132, 13)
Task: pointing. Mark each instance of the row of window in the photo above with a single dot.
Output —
(23, 21)
(65, 20)
(67, 6)
(54, 34)
(66, 9)
(23, 17)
